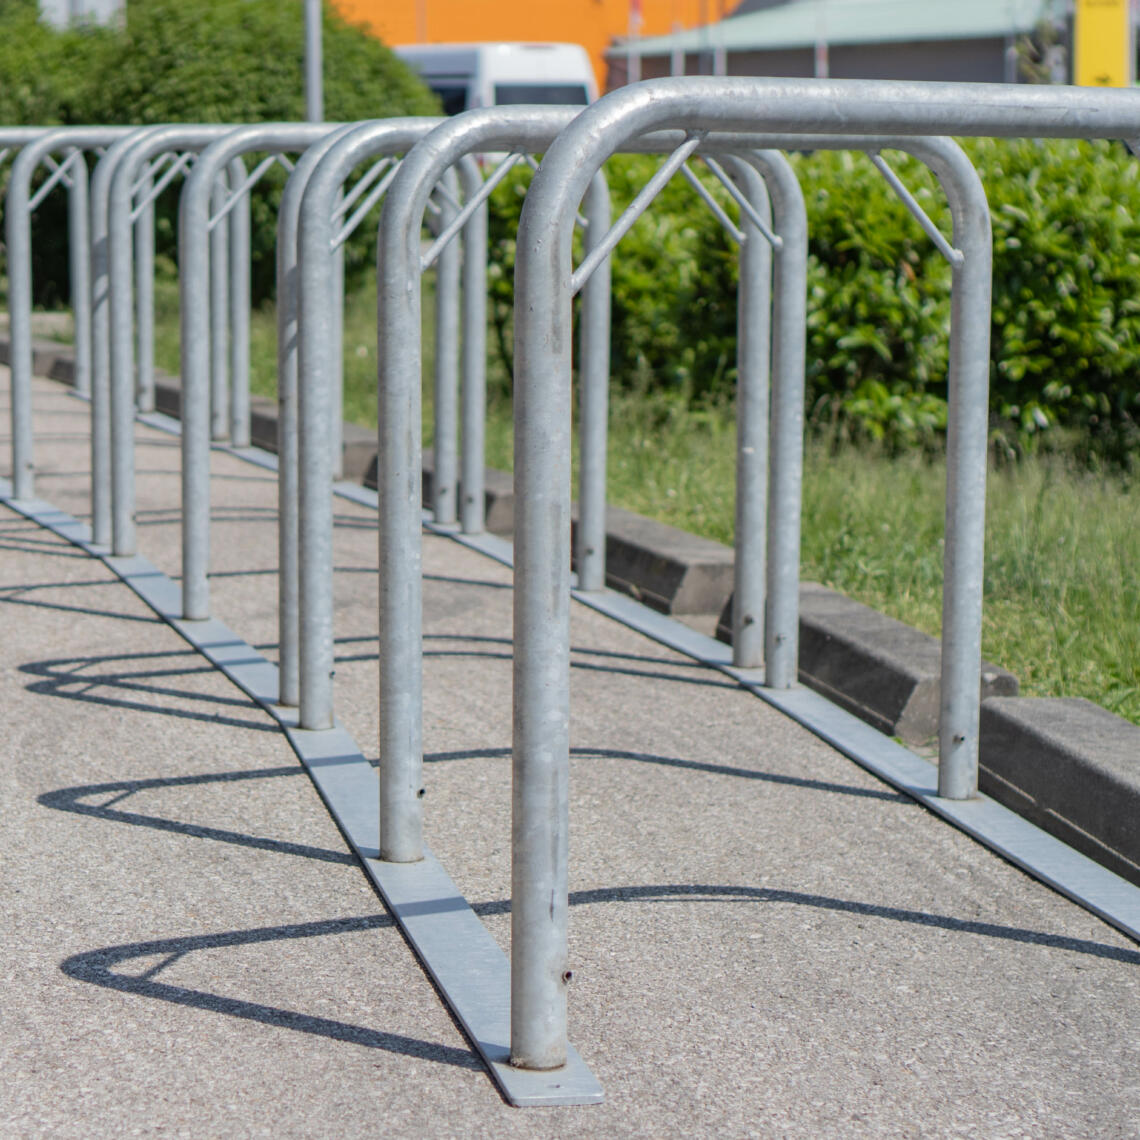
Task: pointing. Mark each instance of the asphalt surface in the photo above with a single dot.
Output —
(765, 940)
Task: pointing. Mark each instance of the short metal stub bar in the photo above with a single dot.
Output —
(742, 201)
(149, 171)
(634, 210)
(730, 227)
(359, 186)
(365, 208)
(59, 174)
(532, 162)
(952, 255)
(460, 219)
(181, 162)
(235, 196)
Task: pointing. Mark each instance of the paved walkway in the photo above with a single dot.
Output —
(765, 940)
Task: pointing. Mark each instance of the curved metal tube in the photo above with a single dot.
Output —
(288, 216)
(37, 144)
(316, 266)
(122, 365)
(197, 268)
(543, 276)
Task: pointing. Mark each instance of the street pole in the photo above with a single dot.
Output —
(314, 64)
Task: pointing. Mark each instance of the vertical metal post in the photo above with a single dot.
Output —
(967, 440)
(287, 476)
(336, 359)
(144, 300)
(753, 350)
(473, 361)
(199, 203)
(786, 437)
(594, 389)
(122, 364)
(314, 66)
(79, 251)
(446, 376)
(398, 490)
(315, 285)
(316, 313)
(219, 317)
(18, 233)
(239, 298)
(101, 182)
(398, 467)
(540, 771)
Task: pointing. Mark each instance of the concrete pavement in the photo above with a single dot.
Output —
(765, 940)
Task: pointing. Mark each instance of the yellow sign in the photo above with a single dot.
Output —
(1102, 55)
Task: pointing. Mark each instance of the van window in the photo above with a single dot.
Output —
(453, 96)
(507, 94)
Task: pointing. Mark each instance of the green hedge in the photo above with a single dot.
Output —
(207, 61)
(1065, 336)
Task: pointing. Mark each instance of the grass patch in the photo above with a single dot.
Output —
(1062, 589)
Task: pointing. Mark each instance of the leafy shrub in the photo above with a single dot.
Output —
(212, 61)
(1065, 337)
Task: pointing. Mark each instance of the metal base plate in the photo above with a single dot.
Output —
(455, 948)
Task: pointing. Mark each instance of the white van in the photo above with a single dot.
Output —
(488, 75)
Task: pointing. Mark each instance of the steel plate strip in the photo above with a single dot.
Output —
(455, 948)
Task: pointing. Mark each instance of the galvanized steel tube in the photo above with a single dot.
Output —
(119, 230)
(101, 335)
(316, 314)
(219, 286)
(238, 222)
(36, 145)
(594, 392)
(195, 275)
(473, 360)
(79, 253)
(398, 476)
(753, 352)
(144, 300)
(288, 216)
(445, 438)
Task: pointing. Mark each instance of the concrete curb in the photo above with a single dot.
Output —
(1068, 765)
(880, 670)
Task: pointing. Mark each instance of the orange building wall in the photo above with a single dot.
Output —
(592, 23)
